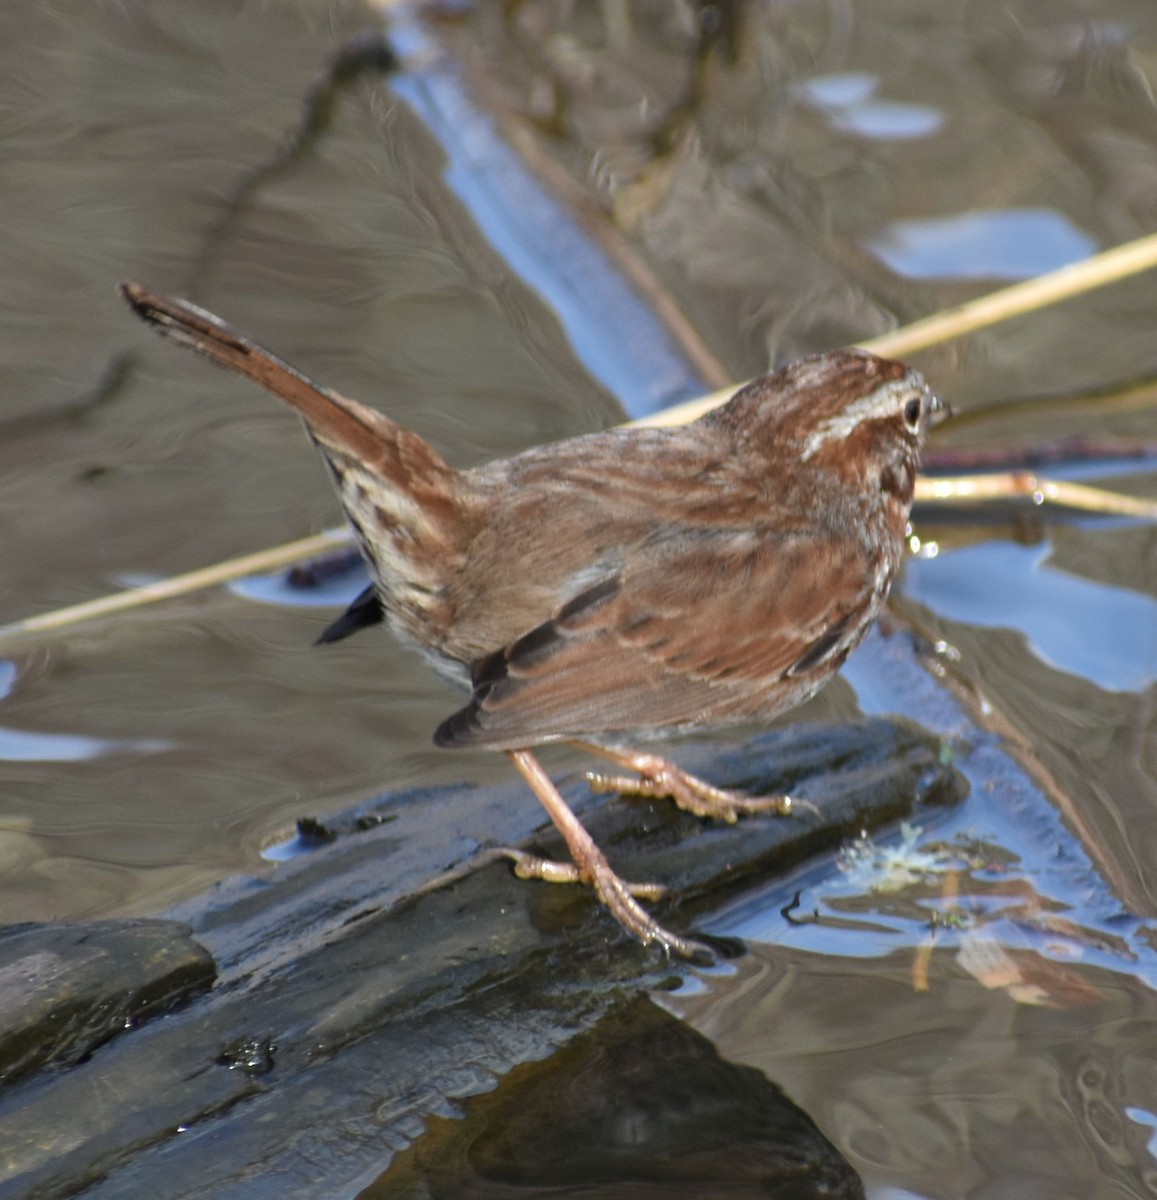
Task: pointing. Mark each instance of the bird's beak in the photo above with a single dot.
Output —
(939, 410)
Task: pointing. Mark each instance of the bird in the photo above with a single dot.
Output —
(626, 584)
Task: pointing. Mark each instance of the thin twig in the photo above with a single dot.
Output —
(1029, 296)
(1007, 485)
(180, 585)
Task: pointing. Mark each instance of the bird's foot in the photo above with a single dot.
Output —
(550, 870)
(590, 866)
(619, 898)
(659, 778)
(618, 895)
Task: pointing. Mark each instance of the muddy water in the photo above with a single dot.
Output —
(802, 177)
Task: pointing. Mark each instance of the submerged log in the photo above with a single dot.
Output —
(67, 989)
(396, 969)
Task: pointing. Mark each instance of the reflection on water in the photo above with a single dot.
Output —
(542, 242)
(1148, 1119)
(1001, 244)
(27, 746)
(850, 103)
(953, 890)
(998, 1017)
(1104, 634)
(640, 1106)
(952, 1088)
(335, 592)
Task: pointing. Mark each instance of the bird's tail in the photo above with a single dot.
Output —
(396, 488)
(339, 426)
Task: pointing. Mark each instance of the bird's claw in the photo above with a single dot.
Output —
(660, 779)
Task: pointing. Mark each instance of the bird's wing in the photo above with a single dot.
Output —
(728, 628)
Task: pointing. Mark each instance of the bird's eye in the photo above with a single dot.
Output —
(912, 413)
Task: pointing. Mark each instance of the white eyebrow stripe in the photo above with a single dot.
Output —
(883, 402)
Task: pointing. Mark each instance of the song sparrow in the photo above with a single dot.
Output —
(631, 581)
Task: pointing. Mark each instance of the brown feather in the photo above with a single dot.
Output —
(725, 642)
(633, 580)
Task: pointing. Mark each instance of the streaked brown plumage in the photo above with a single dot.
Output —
(625, 582)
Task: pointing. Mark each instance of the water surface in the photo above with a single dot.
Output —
(803, 178)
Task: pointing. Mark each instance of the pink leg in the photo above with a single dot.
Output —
(591, 866)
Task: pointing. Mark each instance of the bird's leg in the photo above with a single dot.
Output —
(659, 778)
(591, 867)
